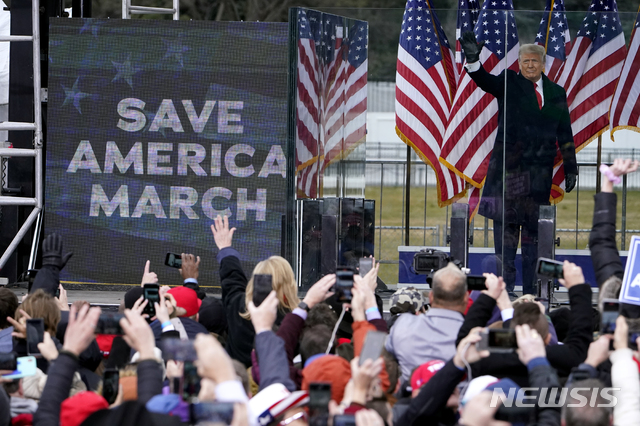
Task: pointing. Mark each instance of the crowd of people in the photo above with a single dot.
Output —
(198, 359)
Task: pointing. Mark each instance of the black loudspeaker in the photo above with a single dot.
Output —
(329, 244)
(335, 231)
(311, 240)
(369, 225)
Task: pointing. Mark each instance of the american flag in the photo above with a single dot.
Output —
(592, 70)
(309, 152)
(425, 84)
(467, 17)
(345, 92)
(553, 35)
(473, 122)
(625, 107)
(331, 94)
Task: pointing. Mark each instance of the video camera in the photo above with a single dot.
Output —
(428, 261)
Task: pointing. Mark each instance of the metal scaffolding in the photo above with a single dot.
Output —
(128, 9)
(36, 128)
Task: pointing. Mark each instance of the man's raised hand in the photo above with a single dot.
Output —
(222, 235)
(471, 47)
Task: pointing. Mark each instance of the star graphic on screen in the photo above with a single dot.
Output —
(91, 25)
(74, 95)
(175, 50)
(125, 71)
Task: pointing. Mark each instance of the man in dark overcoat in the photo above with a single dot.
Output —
(533, 121)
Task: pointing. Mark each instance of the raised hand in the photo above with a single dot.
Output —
(48, 347)
(148, 277)
(222, 235)
(621, 335)
(572, 274)
(619, 168)
(213, 361)
(80, 329)
(363, 375)
(190, 266)
(470, 47)
(504, 301)
(495, 285)
(52, 252)
(162, 309)
(320, 291)
(371, 277)
(139, 305)
(263, 316)
(467, 350)
(598, 351)
(138, 334)
(20, 326)
(61, 300)
(622, 167)
(530, 344)
(358, 301)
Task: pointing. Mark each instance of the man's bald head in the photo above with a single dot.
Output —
(449, 288)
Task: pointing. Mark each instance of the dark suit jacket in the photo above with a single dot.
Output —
(529, 145)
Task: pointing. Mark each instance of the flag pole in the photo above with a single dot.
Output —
(407, 207)
(598, 163)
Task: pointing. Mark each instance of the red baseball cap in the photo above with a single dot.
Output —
(186, 299)
(425, 372)
(74, 410)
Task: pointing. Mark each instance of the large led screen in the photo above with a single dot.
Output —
(156, 127)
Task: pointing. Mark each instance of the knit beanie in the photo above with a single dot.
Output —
(328, 368)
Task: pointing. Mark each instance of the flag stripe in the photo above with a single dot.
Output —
(625, 106)
(425, 85)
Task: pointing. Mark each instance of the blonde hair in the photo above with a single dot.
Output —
(40, 304)
(525, 298)
(283, 281)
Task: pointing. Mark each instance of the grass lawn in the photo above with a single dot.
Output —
(574, 212)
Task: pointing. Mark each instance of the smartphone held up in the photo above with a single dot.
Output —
(151, 293)
(35, 335)
(262, 286)
(549, 268)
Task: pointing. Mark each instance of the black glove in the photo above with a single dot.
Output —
(569, 182)
(52, 252)
(470, 47)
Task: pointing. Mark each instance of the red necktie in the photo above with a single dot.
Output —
(538, 95)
